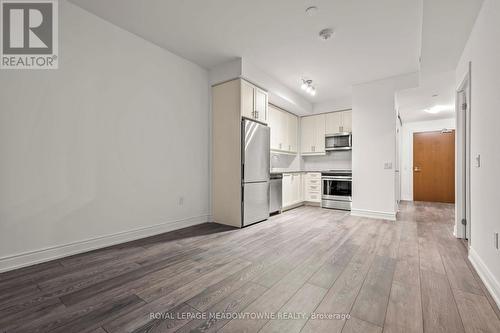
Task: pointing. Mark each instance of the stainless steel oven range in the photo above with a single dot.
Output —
(336, 189)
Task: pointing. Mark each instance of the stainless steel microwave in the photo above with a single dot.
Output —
(339, 141)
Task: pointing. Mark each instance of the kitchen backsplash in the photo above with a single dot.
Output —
(332, 160)
(285, 162)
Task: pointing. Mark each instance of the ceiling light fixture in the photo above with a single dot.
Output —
(308, 87)
(439, 108)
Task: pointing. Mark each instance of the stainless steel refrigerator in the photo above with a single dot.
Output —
(255, 155)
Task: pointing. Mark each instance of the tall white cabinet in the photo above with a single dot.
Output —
(312, 138)
(284, 130)
(231, 101)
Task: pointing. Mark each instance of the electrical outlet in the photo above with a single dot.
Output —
(388, 165)
(181, 201)
(478, 160)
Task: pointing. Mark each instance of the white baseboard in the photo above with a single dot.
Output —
(489, 280)
(292, 206)
(38, 256)
(391, 216)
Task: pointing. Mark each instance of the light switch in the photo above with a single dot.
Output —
(388, 165)
(478, 160)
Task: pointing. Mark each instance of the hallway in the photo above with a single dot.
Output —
(453, 298)
(406, 276)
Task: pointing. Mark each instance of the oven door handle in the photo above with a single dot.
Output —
(337, 178)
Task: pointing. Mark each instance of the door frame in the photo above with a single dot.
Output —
(412, 138)
(463, 158)
(408, 131)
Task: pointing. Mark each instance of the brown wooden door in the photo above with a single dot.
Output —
(434, 166)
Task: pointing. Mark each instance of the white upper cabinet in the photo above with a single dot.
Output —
(284, 128)
(347, 121)
(274, 123)
(338, 122)
(247, 105)
(260, 105)
(293, 135)
(306, 134)
(333, 122)
(283, 133)
(253, 102)
(313, 135)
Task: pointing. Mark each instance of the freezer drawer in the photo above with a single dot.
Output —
(255, 202)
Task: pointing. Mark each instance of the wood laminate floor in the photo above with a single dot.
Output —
(404, 276)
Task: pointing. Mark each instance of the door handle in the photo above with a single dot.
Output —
(417, 169)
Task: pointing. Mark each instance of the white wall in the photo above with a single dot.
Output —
(225, 72)
(337, 104)
(105, 145)
(407, 149)
(374, 123)
(482, 50)
(279, 94)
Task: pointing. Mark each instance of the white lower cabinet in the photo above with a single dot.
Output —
(292, 189)
(312, 187)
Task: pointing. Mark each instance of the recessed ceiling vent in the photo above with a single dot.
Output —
(326, 34)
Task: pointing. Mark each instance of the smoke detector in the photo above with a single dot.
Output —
(326, 34)
(311, 11)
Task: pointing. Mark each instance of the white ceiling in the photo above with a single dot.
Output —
(446, 26)
(445, 29)
(413, 102)
(373, 39)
